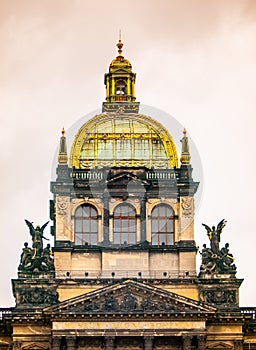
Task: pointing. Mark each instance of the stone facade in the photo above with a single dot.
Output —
(122, 272)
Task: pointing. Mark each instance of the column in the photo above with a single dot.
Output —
(107, 86)
(109, 343)
(71, 342)
(238, 345)
(148, 342)
(56, 340)
(201, 339)
(106, 217)
(186, 341)
(113, 88)
(16, 345)
(128, 91)
(143, 219)
(133, 87)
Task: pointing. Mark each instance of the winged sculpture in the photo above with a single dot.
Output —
(214, 235)
(37, 236)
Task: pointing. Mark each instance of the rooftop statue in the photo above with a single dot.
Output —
(37, 236)
(214, 235)
(214, 259)
(37, 258)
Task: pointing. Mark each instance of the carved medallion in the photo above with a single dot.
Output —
(187, 206)
(62, 204)
(219, 296)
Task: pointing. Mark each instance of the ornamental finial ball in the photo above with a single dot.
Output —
(120, 44)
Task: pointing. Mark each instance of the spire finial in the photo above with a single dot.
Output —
(185, 155)
(120, 44)
(63, 156)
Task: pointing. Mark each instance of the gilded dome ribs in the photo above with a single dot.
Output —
(112, 139)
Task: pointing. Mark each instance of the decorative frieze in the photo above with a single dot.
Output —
(36, 296)
(219, 296)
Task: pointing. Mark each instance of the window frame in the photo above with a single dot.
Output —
(129, 231)
(162, 221)
(89, 232)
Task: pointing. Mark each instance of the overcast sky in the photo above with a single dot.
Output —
(194, 59)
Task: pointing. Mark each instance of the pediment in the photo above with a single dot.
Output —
(128, 297)
(125, 178)
(219, 346)
(122, 71)
(35, 346)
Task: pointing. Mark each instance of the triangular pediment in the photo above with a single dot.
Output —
(219, 346)
(125, 178)
(131, 296)
(34, 346)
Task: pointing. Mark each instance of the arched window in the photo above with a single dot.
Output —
(86, 225)
(120, 87)
(124, 224)
(162, 225)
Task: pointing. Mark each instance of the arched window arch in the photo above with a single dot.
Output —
(86, 225)
(162, 225)
(124, 224)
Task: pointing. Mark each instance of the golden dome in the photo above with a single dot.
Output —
(123, 139)
(119, 62)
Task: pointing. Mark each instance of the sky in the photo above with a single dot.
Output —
(194, 59)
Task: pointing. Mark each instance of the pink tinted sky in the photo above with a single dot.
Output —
(194, 59)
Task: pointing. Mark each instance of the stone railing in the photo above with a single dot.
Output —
(96, 274)
(151, 175)
(249, 311)
(162, 175)
(5, 311)
(88, 175)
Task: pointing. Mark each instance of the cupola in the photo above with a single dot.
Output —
(120, 82)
